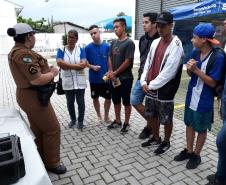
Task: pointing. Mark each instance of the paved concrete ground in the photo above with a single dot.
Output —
(97, 156)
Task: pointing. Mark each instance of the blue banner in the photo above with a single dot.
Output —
(200, 9)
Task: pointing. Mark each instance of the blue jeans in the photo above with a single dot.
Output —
(221, 146)
(79, 95)
(137, 95)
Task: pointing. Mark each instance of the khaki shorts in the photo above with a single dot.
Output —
(158, 109)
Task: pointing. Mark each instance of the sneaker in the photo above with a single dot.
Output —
(145, 133)
(81, 126)
(163, 147)
(213, 180)
(60, 169)
(72, 124)
(194, 161)
(123, 129)
(152, 141)
(183, 155)
(114, 124)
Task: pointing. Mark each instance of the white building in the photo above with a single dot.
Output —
(8, 12)
(63, 27)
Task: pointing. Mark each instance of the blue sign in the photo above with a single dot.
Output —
(200, 9)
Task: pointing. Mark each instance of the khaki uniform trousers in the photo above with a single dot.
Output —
(44, 124)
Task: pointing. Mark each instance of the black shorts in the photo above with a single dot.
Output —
(122, 92)
(102, 90)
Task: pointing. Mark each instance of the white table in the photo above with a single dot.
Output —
(12, 123)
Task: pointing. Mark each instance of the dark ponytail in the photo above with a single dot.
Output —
(17, 38)
(11, 32)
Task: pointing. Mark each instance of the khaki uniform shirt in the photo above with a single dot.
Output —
(26, 65)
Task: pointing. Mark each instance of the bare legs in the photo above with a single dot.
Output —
(107, 105)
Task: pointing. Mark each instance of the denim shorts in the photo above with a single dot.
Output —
(200, 122)
(137, 95)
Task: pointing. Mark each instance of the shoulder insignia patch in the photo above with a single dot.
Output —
(27, 59)
(177, 42)
(33, 70)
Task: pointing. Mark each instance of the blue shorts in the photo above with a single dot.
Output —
(200, 122)
(137, 95)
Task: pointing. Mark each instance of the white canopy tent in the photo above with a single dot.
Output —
(7, 19)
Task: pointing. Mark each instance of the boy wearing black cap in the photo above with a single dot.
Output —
(198, 115)
(160, 81)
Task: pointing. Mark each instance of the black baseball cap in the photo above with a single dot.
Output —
(164, 18)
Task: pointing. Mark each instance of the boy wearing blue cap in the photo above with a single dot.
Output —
(198, 115)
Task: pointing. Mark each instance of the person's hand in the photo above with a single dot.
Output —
(83, 64)
(96, 68)
(191, 65)
(112, 75)
(54, 70)
(108, 74)
(145, 88)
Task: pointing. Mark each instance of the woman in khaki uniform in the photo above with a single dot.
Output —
(30, 70)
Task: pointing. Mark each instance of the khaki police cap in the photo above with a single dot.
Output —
(19, 28)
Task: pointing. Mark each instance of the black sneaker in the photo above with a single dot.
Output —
(163, 147)
(124, 128)
(152, 141)
(61, 169)
(72, 124)
(213, 180)
(194, 161)
(114, 124)
(145, 133)
(183, 155)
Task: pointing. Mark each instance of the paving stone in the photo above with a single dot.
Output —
(82, 173)
(177, 177)
(121, 175)
(62, 181)
(97, 171)
(139, 167)
(111, 169)
(107, 177)
(148, 180)
(100, 182)
(119, 182)
(136, 174)
(132, 181)
(93, 178)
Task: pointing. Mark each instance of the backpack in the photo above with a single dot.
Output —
(218, 89)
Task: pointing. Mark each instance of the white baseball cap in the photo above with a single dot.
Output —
(19, 28)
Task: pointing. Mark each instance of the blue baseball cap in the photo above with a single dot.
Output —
(206, 30)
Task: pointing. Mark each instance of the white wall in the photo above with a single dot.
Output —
(7, 19)
(47, 43)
